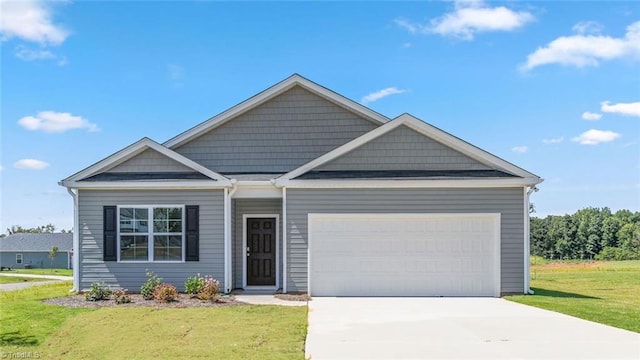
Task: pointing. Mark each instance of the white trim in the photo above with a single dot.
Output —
(497, 240)
(135, 149)
(268, 94)
(284, 240)
(426, 130)
(155, 185)
(244, 251)
(526, 239)
(150, 234)
(359, 183)
(265, 190)
(76, 239)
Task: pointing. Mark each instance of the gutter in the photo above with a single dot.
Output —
(527, 239)
(76, 241)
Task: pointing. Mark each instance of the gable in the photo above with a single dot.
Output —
(403, 149)
(277, 136)
(149, 161)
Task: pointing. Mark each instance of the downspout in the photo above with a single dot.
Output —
(284, 240)
(228, 193)
(76, 242)
(527, 238)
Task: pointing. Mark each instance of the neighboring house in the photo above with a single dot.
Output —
(301, 189)
(32, 250)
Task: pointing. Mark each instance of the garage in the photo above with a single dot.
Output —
(404, 254)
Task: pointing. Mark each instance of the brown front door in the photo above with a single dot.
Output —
(261, 251)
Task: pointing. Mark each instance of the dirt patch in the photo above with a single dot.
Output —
(293, 297)
(78, 301)
(568, 265)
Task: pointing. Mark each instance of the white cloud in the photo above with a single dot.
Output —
(1, 168)
(629, 109)
(588, 27)
(584, 49)
(30, 164)
(30, 21)
(557, 140)
(27, 54)
(595, 137)
(56, 122)
(520, 149)
(469, 18)
(375, 96)
(591, 116)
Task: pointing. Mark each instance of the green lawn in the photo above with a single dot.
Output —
(60, 272)
(15, 279)
(234, 332)
(604, 292)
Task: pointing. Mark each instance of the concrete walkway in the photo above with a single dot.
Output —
(267, 300)
(456, 328)
(27, 284)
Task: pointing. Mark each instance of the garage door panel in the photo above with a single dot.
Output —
(404, 254)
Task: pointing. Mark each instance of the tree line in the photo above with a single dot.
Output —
(17, 229)
(590, 233)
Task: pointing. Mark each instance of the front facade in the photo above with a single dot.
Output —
(27, 250)
(302, 190)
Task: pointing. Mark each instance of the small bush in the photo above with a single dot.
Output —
(121, 296)
(209, 290)
(165, 293)
(615, 253)
(97, 292)
(194, 285)
(148, 288)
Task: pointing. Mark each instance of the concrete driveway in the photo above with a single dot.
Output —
(456, 328)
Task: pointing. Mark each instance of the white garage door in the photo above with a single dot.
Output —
(404, 254)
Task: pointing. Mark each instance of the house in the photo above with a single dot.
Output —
(301, 189)
(24, 250)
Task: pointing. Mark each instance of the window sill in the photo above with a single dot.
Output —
(150, 262)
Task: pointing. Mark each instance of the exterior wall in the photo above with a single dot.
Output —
(403, 149)
(251, 206)
(277, 136)
(132, 275)
(509, 202)
(150, 161)
(39, 260)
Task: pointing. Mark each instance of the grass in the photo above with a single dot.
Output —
(16, 279)
(234, 332)
(59, 272)
(604, 292)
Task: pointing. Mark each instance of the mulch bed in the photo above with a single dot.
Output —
(293, 297)
(184, 301)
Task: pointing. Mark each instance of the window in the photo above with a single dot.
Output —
(151, 233)
(18, 259)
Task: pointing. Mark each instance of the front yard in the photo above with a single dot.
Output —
(59, 272)
(604, 292)
(17, 279)
(233, 332)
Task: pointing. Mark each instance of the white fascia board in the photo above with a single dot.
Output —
(98, 185)
(331, 155)
(471, 183)
(268, 94)
(137, 148)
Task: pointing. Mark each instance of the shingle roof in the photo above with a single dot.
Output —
(405, 174)
(37, 242)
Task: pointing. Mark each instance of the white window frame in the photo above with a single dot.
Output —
(20, 260)
(150, 234)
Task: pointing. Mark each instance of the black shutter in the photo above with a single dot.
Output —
(110, 235)
(193, 233)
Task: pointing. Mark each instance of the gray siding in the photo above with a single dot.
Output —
(277, 136)
(132, 275)
(251, 206)
(509, 202)
(150, 161)
(403, 149)
(38, 260)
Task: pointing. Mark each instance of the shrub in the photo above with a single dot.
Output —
(165, 293)
(148, 288)
(615, 253)
(121, 296)
(97, 292)
(209, 290)
(194, 285)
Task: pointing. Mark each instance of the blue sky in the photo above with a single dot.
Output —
(553, 87)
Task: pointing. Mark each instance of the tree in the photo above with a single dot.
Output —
(52, 255)
(17, 229)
